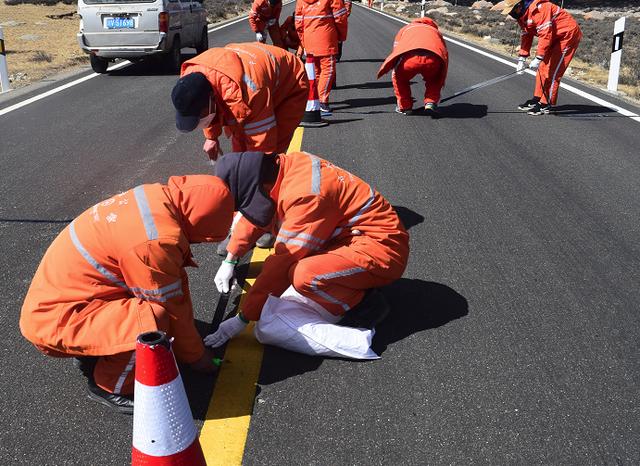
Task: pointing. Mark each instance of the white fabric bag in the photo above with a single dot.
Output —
(294, 323)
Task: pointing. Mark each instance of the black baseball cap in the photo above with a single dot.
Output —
(190, 95)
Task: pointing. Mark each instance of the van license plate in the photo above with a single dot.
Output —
(119, 23)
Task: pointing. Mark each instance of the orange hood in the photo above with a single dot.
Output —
(205, 205)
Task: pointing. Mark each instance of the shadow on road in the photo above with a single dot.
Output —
(584, 110)
(364, 102)
(368, 85)
(462, 110)
(362, 60)
(408, 217)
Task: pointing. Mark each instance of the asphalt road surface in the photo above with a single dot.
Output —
(514, 332)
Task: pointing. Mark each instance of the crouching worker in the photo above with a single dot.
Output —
(118, 270)
(337, 241)
(255, 92)
(418, 48)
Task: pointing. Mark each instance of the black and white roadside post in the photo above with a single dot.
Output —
(422, 8)
(616, 55)
(4, 72)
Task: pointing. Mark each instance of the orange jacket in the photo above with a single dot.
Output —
(321, 24)
(420, 34)
(319, 205)
(134, 245)
(263, 14)
(289, 34)
(250, 81)
(550, 24)
(348, 6)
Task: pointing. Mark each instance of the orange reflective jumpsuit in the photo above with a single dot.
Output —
(336, 237)
(265, 14)
(558, 38)
(118, 270)
(261, 92)
(418, 48)
(321, 24)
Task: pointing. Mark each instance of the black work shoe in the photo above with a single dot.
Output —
(121, 403)
(403, 112)
(369, 312)
(528, 105)
(431, 109)
(86, 364)
(540, 109)
(266, 241)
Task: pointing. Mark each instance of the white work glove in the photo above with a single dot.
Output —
(535, 63)
(224, 275)
(212, 148)
(227, 330)
(260, 37)
(522, 64)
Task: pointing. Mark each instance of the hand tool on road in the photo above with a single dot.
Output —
(480, 85)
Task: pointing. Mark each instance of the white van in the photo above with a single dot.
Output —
(131, 29)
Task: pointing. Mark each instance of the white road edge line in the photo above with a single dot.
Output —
(568, 87)
(117, 66)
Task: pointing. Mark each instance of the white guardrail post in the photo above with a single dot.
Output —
(422, 8)
(4, 72)
(616, 55)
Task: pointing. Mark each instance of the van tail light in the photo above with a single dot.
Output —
(163, 21)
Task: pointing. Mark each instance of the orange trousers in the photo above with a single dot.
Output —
(408, 66)
(107, 329)
(276, 37)
(335, 282)
(551, 71)
(325, 76)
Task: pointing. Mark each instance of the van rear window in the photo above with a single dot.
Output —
(115, 2)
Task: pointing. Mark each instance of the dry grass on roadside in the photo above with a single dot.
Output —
(37, 45)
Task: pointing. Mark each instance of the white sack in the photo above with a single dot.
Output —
(296, 326)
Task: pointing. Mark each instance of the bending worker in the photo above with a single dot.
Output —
(265, 16)
(321, 24)
(337, 238)
(558, 38)
(118, 270)
(256, 92)
(418, 48)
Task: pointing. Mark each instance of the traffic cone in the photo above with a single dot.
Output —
(163, 430)
(312, 118)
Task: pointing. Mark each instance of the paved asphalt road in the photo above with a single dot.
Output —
(514, 333)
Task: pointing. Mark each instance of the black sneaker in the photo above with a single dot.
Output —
(528, 105)
(325, 110)
(431, 109)
(369, 312)
(403, 112)
(540, 109)
(120, 403)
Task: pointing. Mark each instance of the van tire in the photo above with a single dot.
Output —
(98, 64)
(173, 60)
(203, 44)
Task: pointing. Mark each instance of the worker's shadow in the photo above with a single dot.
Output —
(461, 110)
(368, 85)
(364, 102)
(584, 111)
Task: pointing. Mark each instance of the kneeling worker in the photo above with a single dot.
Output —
(418, 48)
(337, 239)
(118, 270)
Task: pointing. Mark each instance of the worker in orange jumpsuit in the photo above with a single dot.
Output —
(289, 35)
(118, 270)
(418, 48)
(321, 25)
(558, 38)
(336, 238)
(256, 93)
(265, 16)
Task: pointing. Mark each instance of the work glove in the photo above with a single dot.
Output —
(212, 148)
(260, 37)
(224, 275)
(522, 64)
(227, 330)
(535, 63)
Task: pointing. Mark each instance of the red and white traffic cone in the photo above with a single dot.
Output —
(163, 430)
(312, 117)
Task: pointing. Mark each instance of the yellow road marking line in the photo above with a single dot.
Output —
(225, 428)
